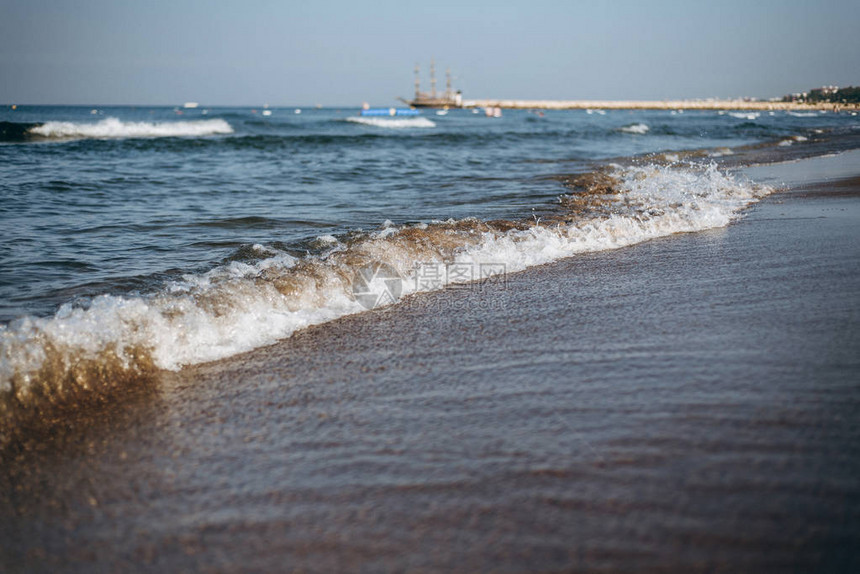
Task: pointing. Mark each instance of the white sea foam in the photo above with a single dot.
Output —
(803, 114)
(720, 152)
(653, 202)
(241, 306)
(792, 139)
(745, 115)
(114, 128)
(395, 123)
(640, 129)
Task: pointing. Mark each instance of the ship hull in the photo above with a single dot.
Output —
(437, 103)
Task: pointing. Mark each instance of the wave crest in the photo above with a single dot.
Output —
(240, 306)
(750, 116)
(115, 128)
(640, 129)
(394, 123)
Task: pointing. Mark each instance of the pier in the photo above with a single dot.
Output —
(709, 104)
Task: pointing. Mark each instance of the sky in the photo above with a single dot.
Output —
(338, 52)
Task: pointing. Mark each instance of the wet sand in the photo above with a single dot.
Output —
(684, 405)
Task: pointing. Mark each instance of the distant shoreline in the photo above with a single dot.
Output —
(710, 104)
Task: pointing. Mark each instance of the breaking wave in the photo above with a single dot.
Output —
(396, 123)
(240, 306)
(745, 115)
(114, 128)
(640, 129)
(792, 140)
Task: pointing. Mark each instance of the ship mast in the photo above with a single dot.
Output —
(435, 98)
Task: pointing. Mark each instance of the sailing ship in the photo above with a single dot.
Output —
(433, 99)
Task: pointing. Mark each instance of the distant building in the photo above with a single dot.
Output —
(826, 94)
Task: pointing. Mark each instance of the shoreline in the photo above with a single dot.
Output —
(685, 404)
(66, 384)
(708, 104)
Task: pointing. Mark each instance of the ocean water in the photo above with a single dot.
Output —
(139, 239)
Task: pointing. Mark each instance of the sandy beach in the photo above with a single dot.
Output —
(683, 405)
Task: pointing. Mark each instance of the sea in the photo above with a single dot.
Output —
(139, 239)
(301, 339)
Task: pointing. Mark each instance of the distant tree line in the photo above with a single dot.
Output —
(827, 94)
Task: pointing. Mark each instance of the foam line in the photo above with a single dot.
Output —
(114, 128)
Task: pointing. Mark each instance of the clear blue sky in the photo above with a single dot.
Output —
(337, 52)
